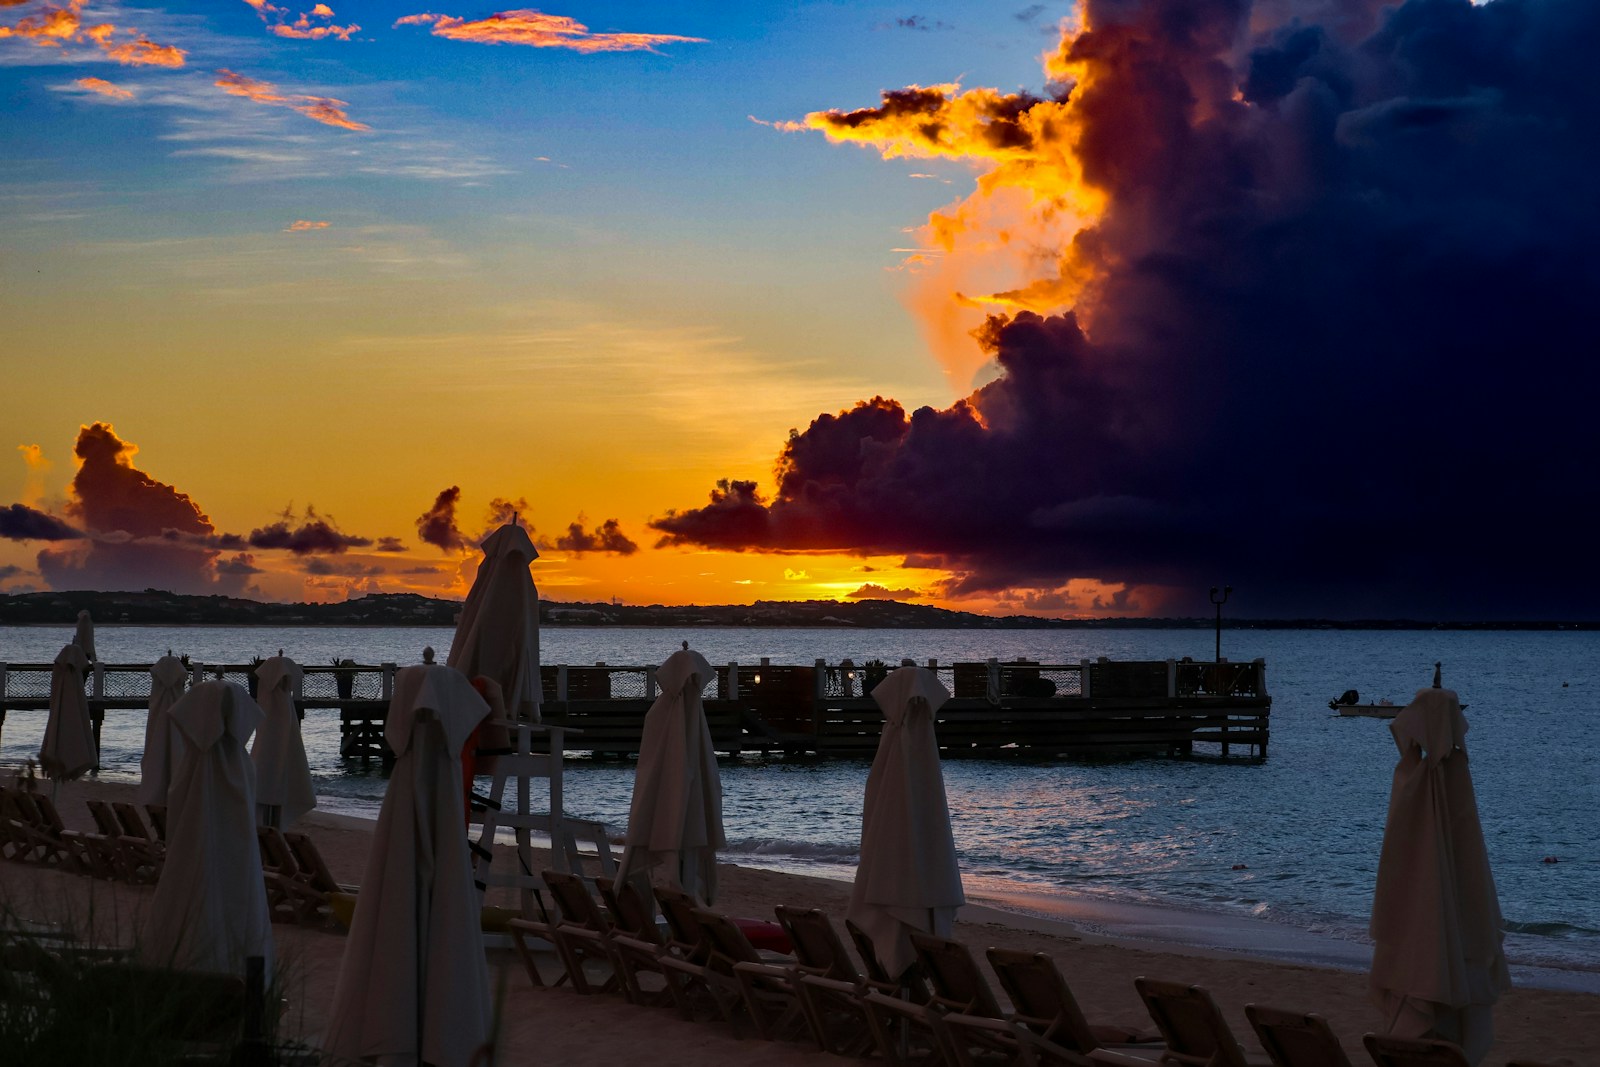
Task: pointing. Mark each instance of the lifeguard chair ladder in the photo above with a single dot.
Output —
(521, 766)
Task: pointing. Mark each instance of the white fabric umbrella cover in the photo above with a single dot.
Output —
(209, 911)
(1437, 962)
(498, 635)
(67, 751)
(675, 818)
(283, 776)
(83, 635)
(414, 983)
(908, 877)
(161, 741)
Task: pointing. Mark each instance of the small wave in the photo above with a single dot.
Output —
(812, 851)
(1550, 929)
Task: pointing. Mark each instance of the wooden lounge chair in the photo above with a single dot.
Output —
(136, 859)
(829, 985)
(896, 1021)
(582, 933)
(1388, 1050)
(1191, 1024)
(313, 868)
(638, 946)
(1043, 1004)
(766, 984)
(910, 983)
(15, 841)
(974, 1023)
(133, 825)
(52, 844)
(523, 931)
(687, 958)
(291, 894)
(158, 819)
(1295, 1039)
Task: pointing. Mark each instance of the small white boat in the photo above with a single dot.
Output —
(1350, 704)
(1381, 710)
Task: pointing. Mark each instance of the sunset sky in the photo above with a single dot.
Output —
(1044, 308)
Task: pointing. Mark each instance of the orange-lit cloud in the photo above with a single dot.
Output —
(303, 225)
(280, 22)
(538, 30)
(55, 26)
(323, 109)
(1010, 244)
(874, 591)
(49, 28)
(38, 466)
(104, 88)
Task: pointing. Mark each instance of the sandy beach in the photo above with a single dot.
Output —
(556, 1025)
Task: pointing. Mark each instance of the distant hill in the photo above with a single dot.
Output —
(411, 609)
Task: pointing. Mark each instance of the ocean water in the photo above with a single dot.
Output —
(1291, 842)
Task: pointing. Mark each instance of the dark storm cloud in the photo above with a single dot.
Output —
(1338, 344)
(607, 537)
(19, 522)
(315, 534)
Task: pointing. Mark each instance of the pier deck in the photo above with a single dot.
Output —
(1094, 708)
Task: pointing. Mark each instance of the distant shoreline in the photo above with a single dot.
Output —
(389, 610)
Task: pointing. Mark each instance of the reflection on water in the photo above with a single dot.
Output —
(1293, 839)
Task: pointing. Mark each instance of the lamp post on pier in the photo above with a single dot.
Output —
(1219, 601)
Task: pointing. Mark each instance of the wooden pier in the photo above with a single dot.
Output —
(1021, 709)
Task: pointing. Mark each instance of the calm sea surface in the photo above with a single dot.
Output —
(1293, 840)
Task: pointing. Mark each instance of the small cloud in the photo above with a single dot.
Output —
(874, 591)
(10, 570)
(103, 88)
(243, 563)
(302, 225)
(915, 22)
(538, 30)
(783, 125)
(323, 109)
(796, 576)
(392, 544)
(281, 24)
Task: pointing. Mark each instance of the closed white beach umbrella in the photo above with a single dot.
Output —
(283, 776)
(67, 751)
(414, 984)
(908, 878)
(1437, 965)
(498, 635)
(675, 819)
(209, 912)
(167, 678)
(83, 635)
